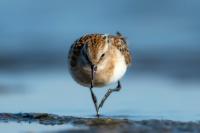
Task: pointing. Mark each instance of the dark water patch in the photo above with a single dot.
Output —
(12, 89)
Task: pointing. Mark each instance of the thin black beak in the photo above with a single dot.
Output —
(93, 70)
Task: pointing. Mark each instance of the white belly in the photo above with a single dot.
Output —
(119, 69)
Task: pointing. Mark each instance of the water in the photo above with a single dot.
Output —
(144, 96)
(33, 127)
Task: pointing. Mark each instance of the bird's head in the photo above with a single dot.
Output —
(96, 49)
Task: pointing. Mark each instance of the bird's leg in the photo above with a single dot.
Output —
(118, 88)
(94, 98)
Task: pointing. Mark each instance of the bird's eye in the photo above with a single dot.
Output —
(102, 56)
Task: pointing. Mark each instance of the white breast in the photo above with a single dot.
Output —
(119, 69)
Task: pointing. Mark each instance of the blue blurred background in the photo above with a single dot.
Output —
(163, 81)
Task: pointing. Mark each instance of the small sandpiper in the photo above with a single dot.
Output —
(95, 60)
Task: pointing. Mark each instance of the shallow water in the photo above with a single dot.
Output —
(33, 127)
(144, 96)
